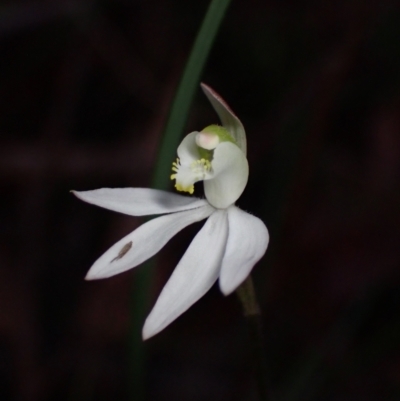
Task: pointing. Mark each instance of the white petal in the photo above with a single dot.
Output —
(190, 168)
(227, 116)
(230, 174)
(144, 242)
(187, 149)
(247, 242)
(139, 201)
(185, 178)
(195, 274)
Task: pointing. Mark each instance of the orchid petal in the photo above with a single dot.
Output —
(230, 174)
(144, 242)
(247, 242)
(139, 201)
(227, 116)
(188, 150)
(194, 275)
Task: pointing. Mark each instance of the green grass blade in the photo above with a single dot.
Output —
(187, 88)
(173, 131)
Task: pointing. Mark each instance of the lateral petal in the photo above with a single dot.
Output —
(194, 275)
(247, 242)
(144, 242)
(230, 174)
(139, 201)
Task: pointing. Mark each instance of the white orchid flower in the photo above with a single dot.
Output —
(230, 242)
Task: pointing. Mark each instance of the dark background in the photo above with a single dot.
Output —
(85, 89)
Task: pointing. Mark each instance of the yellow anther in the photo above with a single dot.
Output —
(189, 189)
(186, 177)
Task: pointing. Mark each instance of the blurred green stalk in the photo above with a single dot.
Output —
(173, 131)
(252, 313)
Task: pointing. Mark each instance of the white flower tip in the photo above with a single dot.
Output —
(77, 194)
(211, 93)
(150, 329)
(92, 276)
(227, 287)
(97, 274)
(146, 334)
(207, 140)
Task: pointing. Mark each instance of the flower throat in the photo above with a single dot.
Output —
(186, 174)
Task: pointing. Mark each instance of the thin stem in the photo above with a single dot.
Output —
(252, 313)
(173, 131)
(187, 88)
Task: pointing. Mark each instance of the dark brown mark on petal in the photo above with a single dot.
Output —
(124, 250)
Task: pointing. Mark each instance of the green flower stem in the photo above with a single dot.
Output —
(188, 86)
(252, 313)
(173, 131)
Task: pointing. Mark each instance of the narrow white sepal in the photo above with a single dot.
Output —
(194, 275)
(247, 242)
(139, 201)
(144, 242)
(228, 118)
(230, 172)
